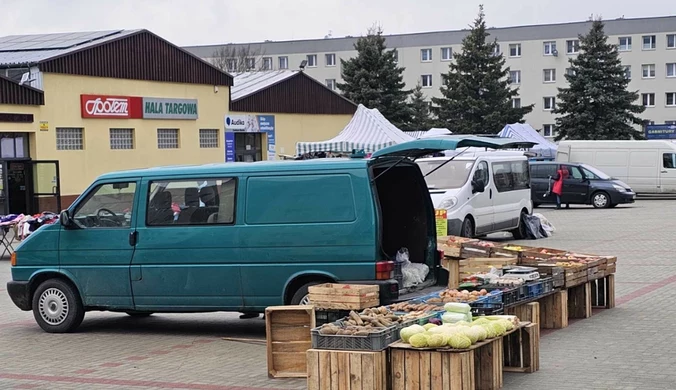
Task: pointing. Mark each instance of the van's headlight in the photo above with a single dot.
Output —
(619, 188)
(448, 203)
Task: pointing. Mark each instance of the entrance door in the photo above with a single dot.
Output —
(17, 187)
(248, 147)
(46, 189)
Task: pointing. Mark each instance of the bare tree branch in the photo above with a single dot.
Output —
(241, 58)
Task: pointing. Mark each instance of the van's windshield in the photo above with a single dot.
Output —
(453, 174)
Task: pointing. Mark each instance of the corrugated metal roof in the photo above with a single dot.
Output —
(20, 54)
(13, 93)
(248, 83)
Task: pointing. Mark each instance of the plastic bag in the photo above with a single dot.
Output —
(413, 273)
(402, 256)
(546, 225)
(534, 228)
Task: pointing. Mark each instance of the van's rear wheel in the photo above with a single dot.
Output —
(57, 307)
(467, 229)
(302, 295)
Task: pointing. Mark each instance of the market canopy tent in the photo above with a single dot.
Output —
(433, 132)
(525, 132)
(368, 130)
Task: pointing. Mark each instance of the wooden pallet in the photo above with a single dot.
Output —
(603, 292)
(287, 330)
(349, 370)
(579, 301)
(521, 350)
(554, 310)
(344, 296)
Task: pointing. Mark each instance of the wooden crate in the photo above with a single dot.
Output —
(557, 274)
(424, 370)
(522, 350)
(451, 245)
(611, 265)
(554, 310)
(477, 249)
(505, 251)
(535, 256)
(471, 266)
(287, 330)
(603, 292)
(596, 269)
(452, 265)
(529, 312)
(579, 301)
(576, 276)
(344, 296)
(349, 370)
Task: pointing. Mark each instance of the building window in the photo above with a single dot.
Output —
(515, 50)
(209, 203)
(330, 59)
(331, 83)
(671, 41)
(516, 102)
(167, 138)
(549, 103)
(649, 42)
(671, 99)
(208, 138)
(283, 62)
(515, 77)
(573, 46)
(426, 80)
(624, 44)
(550, 48)
(121, 139)
(496, 50)
(548, 130)
(69, 138)
(267, 63)
(446, 54)
(570, 71)
(648, 99)
(426, 55)
(231, 64)
(671, 69)
(549, 76)
(627, 72)
(250, 63)
(311, 60)
(648, 71)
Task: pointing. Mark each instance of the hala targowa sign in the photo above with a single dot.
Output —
(158, 108)
(134, 107)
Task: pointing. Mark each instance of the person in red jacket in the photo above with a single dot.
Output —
(557, 188)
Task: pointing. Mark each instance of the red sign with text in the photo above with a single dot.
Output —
(111, 107)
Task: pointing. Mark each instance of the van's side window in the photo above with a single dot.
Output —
(107, 206)
(669, 160)
(520, 175)
(481, 172)
(511, 175)
(191, 202)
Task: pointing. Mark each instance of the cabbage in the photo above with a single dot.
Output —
(459, 341)
(456, 307)
(469, 317)
(450, 318)
(418, 340)
(481, 331)
(481, 321)
(472, 334)
(436, 340)
(507, 324)
(409, 331)
(429, 326)
(498, 328)
(489, 330)
(461, 323)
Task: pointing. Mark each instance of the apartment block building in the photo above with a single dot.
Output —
(537, 56)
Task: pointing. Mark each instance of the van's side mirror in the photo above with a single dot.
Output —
(65, 219)
(478, 186)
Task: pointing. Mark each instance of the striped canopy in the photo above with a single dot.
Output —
(368, 130)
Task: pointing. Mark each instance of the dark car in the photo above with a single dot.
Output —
(583, 184)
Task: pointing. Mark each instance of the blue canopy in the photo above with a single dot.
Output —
(524, 132)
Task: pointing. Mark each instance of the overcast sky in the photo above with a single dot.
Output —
(200, 22)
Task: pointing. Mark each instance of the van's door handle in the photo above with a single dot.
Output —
(665, 171)
(133, 238)
(490, 193)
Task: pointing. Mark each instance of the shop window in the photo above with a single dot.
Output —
(107, 206)
(69, 138)
(121, 139)
(208, 138)
(191, 202)
(14, 145)
(167, 138)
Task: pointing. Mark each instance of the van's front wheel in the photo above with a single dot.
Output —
(57, 307)
(467, 229)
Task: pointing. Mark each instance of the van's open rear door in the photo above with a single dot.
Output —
(426, 146)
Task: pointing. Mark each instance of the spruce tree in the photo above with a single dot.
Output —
(597, 104)
(477, 96)
(374, 79)
(420, 115)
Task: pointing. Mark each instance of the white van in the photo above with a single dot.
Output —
(648, 167)
(483, 192)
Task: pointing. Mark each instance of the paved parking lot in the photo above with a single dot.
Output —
(628, 347)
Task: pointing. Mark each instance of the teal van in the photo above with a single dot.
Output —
(231, 237)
